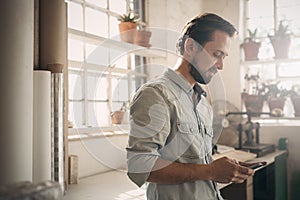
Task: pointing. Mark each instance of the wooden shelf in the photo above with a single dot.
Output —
(270, 61)
(115, 44)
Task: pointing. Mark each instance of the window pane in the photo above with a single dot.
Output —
(98, 114)
(288, 10)
(265, 71)
(76, 113)
(75, 87)
(120, 89)
(96, 22)
(114, 28)
(97, 88)
(266, 50)
(121, 62)
(289, 70)
(261, 16)
(75, 50)
(99, 56)
(100, 3)
(89, 49)
(117, 6)
(295, 48)
(75, 16)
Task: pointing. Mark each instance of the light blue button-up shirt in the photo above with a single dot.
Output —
(167, 122)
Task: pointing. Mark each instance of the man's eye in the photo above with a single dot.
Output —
(218, 55)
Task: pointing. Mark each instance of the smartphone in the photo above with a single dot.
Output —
(257, 165)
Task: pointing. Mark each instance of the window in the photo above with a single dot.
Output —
(99, 82)
(265, 16)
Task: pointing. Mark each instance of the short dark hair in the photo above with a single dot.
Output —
(202, 27)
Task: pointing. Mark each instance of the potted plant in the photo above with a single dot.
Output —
(118, 116)
(128, 27)
(253, 96)
(295, 97)
(142, 37)
(275, 97)
(281, 41)
(251, 46)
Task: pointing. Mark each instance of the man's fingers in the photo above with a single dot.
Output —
(240, 178)
(246, 171)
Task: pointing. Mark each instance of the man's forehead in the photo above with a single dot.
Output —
(220, 42)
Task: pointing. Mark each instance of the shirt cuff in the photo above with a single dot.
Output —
(139, 166)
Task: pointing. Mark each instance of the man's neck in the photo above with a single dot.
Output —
(184, 68)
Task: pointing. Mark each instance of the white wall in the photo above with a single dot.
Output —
(98, 155)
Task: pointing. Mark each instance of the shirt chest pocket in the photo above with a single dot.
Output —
(190, 143)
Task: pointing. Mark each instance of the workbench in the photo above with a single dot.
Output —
(115, 185)
(268, 183)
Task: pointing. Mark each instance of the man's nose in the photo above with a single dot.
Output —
(219, 64)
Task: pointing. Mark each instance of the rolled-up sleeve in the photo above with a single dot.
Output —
(149, 129)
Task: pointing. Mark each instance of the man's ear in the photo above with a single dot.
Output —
(190, 48)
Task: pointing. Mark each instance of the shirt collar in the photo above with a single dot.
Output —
(178, 80)
(183, 83)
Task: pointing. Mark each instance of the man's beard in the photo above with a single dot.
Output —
(201, 77)
(197, 76)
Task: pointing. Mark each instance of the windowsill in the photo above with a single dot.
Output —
(123, 129)
(89, 38)
(270, 61)
(277, 121)
(98, 132)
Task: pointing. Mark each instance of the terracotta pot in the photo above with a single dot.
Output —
(117, 117)
(127, 31)
(251, 50)
(142, 38)
(253, 103)
(276, 103)
(296, 104)
(281, 47)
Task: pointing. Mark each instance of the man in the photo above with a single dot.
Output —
(170, 141)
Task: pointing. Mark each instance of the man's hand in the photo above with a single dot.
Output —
(226, 170)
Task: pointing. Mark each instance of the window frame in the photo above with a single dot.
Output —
(260, 65)
(83, 69)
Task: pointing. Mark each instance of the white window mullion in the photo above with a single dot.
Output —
(85, 93)
(109, 93)
(275, 15)
(85, 85)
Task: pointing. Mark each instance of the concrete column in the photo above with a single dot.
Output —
(52, 32)
(53, 40)
(16, 86)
